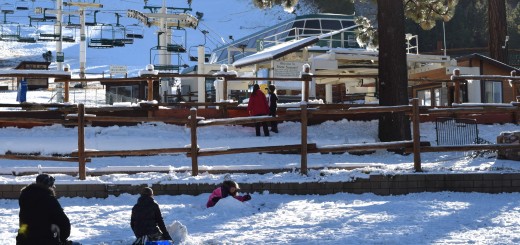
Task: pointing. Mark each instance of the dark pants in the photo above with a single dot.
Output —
(264, 126)
(274, 124)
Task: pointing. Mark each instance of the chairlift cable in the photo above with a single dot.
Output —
(211, 30)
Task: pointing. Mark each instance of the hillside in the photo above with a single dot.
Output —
(222, 19)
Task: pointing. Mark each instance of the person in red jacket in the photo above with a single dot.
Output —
(228, 188)
(257, 106)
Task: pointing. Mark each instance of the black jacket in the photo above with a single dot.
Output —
(147, 219)
(273, 100)
(39, 208)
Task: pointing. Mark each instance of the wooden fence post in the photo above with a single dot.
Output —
(66, 96)
(514, 87)
(194, 146)
(225, 86)
(81, 142)
(306, 77)
(416, 135)
(304, 119)
(150, 95)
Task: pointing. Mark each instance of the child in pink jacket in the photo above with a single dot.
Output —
(228, 188)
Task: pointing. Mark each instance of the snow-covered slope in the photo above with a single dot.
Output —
(221, 18)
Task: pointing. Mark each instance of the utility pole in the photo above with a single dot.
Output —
(59, 46)
(83, 37)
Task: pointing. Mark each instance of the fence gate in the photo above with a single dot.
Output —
(456, 131)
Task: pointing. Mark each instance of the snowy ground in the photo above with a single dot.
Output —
(422, 218)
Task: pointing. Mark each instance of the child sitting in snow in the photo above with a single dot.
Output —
(228, 188)
(146, 220)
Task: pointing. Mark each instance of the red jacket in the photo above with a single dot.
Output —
(257, 104)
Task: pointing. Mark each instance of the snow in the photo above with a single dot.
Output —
(420, 218)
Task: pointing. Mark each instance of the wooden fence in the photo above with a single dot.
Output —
(415, 146)
(301, 114)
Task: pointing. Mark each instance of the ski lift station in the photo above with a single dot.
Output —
(327, 43)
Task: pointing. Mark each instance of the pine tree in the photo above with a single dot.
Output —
(497, 30)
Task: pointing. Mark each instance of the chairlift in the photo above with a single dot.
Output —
(135, 31)
(28, 34)
(121, 35)
(22, 5)
(8, 7)
(54, 35)
(120, 38)
(94, 23)
(176, 45)
(72, 25)
(9, 32)
(101, 40)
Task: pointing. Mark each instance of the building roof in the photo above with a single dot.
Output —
(24, 63)
(489, 60)
(298, 28)
(285, 48)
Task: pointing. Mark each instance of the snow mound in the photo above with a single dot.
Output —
(230, 207)
(178, 232)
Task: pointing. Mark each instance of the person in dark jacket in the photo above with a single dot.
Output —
(257, 106)
(272, 102)
(146, 221)
(42, 220)
(228, 188)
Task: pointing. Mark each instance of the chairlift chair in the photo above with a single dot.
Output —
(119, 33)
(27, 34)
(54, 35)
(94, 23)
(102, 41)
(72, 25)
(8, 7)
(135, 31)
(9, 32)
(22, 5)
(177, 46)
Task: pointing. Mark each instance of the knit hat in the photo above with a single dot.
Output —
(230, 183)
(147, 191)
(45, 179)
(271, 88)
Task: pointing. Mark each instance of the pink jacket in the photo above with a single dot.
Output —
(218, 193)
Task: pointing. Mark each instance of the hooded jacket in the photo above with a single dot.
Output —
(39, 209)
(223, 192)
(147, 218)
(257, 104)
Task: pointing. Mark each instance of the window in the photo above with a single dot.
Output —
(437, 96)
(424, 97)
(123, 94)
(492, 92)
(312, 27)
(329, 25)
(296, 26)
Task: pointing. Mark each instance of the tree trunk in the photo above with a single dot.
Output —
(393, 71)
(497, 30)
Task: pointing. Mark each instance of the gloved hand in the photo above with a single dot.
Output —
(215, 199)
(247, 197)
